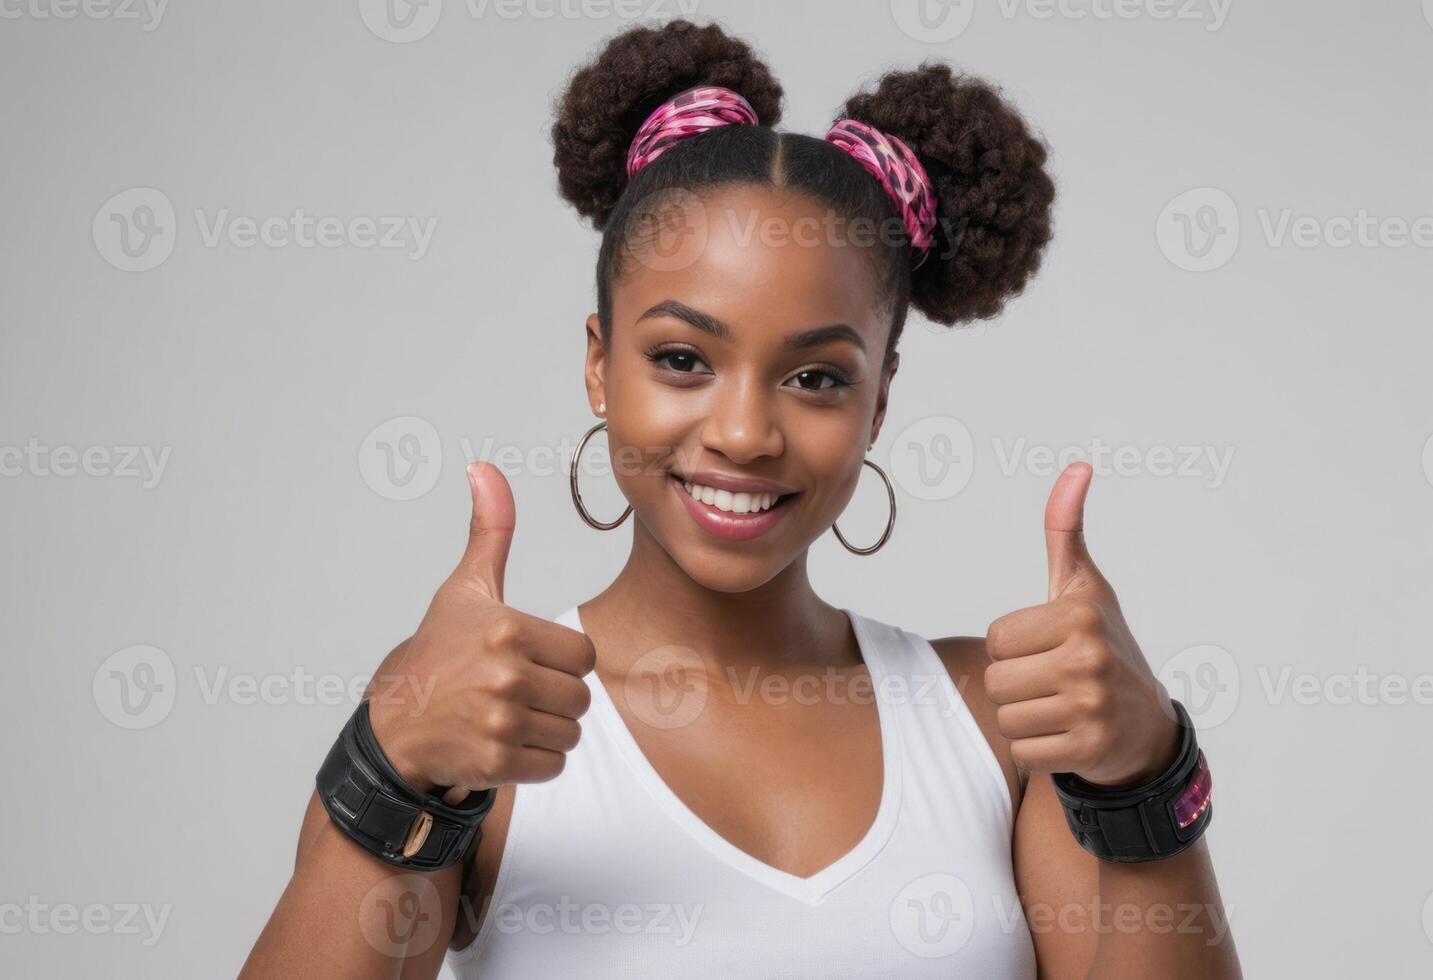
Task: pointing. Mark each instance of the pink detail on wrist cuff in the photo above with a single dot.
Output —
(1195, 798)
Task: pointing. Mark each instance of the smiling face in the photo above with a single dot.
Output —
(750, 372)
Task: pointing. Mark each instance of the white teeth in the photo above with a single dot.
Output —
(733, 503)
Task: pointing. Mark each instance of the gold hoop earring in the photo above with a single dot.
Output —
(577, 495)
(890, 524)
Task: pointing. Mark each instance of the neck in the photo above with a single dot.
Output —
(780, 624)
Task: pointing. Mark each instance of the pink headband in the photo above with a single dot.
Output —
(694, 111)
(884, 156)
(892, 163)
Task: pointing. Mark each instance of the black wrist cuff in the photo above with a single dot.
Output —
(380, 811)
(1149, 822)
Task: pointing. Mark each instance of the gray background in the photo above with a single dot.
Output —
(273, 543)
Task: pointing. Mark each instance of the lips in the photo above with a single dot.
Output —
(734, 484)
(727, 524)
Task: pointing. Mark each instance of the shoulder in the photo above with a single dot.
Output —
(965, 660)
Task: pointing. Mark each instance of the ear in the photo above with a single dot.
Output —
(595, 371)
(883, 394)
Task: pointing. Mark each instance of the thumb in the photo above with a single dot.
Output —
(1070, 562)
(491, 530)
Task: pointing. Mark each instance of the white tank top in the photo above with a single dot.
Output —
(607, 873)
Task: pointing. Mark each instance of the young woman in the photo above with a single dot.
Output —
(763, 784)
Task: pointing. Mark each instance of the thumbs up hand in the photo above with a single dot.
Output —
(1074, 691)
(506, 688)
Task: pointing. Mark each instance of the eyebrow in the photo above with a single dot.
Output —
(705, 322)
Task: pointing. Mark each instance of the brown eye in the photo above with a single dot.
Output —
(814, 380)
(678, 360)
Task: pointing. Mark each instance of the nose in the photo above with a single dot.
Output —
(741, 423)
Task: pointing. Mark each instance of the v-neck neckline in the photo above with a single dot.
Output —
(817, 886)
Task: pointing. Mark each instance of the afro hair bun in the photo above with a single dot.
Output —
(608, 100)
(993, 195)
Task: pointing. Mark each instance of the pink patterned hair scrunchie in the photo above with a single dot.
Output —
(884, 156)
(691, 112)
(890, 161)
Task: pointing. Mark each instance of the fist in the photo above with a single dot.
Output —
(506, 688)
(1074, 691)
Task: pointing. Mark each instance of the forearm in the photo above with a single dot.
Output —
(1165, 919)
(346, 913)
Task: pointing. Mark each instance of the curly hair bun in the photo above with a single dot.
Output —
(608, 100)
(993, 196)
